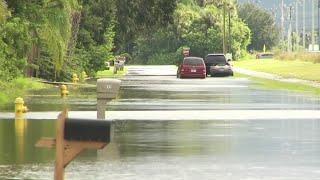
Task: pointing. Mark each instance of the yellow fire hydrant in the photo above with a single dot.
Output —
(20, 108)
(64, 90)
(83, 76)
(75, 78)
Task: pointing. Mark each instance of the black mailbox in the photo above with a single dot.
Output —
(87, 130)
(73, 136)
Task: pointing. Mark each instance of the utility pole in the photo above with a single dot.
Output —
(318, 22)
(224, 27)
(290, 30)
(304, 25)
(297, 41)
(282, 21)
(312, 30)
(229, 31)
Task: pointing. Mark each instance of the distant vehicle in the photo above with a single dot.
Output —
(217, 64)
(192, 67)
(264, 56)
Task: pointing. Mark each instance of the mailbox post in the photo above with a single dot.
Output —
(72, 137)
(107, 89)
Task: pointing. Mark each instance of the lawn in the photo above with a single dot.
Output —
(289, 69)
(109, 73)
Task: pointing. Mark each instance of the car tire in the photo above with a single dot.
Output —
(231, 74)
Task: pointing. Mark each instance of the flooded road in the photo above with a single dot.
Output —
(196, 147)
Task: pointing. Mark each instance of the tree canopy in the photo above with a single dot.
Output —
(53, 39)
(262, 25)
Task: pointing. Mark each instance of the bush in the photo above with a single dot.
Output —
(15, 88)
(162, 59)
(14, 44)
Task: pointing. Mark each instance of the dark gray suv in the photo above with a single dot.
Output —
(218, 65)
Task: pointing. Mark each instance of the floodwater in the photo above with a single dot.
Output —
(187, 149)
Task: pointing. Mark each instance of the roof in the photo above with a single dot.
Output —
(215, 55)
(193, 57)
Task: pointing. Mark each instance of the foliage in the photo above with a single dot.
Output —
(52, 39)
(198, 27)
(14, 43)
(3, 11)
(49, 30)
(17, 87)
(262, 25)
(109, 73)
(96, 35)
(299, 55)
(136, 18)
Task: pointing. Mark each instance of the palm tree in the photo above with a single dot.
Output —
(56, 31)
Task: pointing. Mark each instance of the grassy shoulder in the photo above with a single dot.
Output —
(288, 69)
(17, 88)
(109, 73)
(274, 84)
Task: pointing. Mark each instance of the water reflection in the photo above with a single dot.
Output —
(17, 139)
(142, 148)
(286, 149)
(20, 132)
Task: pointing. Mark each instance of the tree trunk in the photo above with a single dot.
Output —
(75, 23)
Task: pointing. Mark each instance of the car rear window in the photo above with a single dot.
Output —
(267, 55)
(193, 61)
(217, 59)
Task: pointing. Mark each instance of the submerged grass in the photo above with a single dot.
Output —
(109, 73)
(18, 87)
(288, 69)
(274, 84)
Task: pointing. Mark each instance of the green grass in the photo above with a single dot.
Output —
(289, 69)
(17, 88)
(109, 73)
(274, 84)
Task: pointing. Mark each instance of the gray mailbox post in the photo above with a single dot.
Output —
(107, 89)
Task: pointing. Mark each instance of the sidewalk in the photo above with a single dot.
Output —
(276, 77)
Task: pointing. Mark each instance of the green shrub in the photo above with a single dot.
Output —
(163, 59)
(17, 87)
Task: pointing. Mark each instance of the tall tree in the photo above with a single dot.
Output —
(96, 34)
(140, 17)
(3, 11)
(50, 29)
(262, 25)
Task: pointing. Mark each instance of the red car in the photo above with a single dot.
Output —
(192, 67)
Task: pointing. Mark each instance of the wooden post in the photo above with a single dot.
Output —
(67, 150)
(59, 164)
